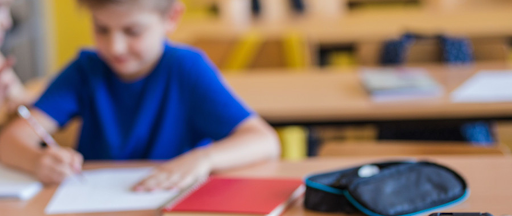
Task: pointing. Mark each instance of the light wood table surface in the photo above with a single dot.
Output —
(337, 95)
(370, 25)
(407, 148)
(489, 179)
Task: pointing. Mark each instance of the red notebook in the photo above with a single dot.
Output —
(239, 196)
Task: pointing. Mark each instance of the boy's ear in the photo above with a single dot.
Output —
(173, 17)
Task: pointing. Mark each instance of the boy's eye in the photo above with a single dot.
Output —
(133, 32)
(101, 30)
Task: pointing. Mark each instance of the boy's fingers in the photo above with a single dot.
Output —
(154, 181)
(64, 169)
(185, 182)
(58, 172)
(159, 180)
(61, 155)
(77, 161)
(61, 158)
(169, 183)
(57, 177)
(144, 184)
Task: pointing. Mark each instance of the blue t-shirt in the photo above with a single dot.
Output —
(182, 104)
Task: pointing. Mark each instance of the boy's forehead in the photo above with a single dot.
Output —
(140, 5)
(122, 15)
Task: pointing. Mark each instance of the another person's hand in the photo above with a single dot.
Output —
(179, 173)
(12, 91)
(5, 66)
(56, 164)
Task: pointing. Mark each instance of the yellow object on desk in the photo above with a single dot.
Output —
(294, 142)
(342, 59)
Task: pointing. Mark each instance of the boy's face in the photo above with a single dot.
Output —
(130, 39)
(5, 18)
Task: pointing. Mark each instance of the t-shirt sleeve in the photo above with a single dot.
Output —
(215, 109)
(60, 101)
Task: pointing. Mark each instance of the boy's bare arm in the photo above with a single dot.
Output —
(252, 141)
(20, 148)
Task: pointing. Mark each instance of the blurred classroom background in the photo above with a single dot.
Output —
(296, 62)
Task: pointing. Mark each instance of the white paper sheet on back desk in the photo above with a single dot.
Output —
(485, 87)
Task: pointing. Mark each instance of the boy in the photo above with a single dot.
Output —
(141, 97)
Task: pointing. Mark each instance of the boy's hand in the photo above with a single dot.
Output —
(55, 164)
(178, 173)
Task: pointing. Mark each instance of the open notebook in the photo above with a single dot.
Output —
(237, 196)
(17, 185)
(106, 190)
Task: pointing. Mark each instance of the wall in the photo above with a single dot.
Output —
(69, 29)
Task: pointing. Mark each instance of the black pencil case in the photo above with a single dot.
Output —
(386, 189)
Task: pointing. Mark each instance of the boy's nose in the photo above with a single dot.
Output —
(118, 44)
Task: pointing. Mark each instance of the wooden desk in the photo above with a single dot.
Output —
(361, 26)
(404, 148)
(335, 95)
(489, 179)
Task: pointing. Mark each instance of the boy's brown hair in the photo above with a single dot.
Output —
(162, 6)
